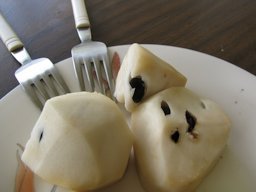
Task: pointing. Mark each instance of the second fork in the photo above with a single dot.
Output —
(90, 58)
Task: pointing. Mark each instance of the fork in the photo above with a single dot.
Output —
(90, 58)
(39, 78)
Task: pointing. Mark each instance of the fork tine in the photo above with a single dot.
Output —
(78, 71)
(32, 94)
(59, 80)
(108, 72)
(97, 67)
(89, 72)
(49, 84)
(38, 83)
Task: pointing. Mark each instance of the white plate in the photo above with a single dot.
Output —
(228, 85)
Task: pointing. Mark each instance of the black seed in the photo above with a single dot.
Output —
(165, 107)
(41, 135)
(202, 105)
(191, 120)
(175, 136)
(139, 89)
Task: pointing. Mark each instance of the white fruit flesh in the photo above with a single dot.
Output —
(156, 73)
(81, 141)
(168, 166)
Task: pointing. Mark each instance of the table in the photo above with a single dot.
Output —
(224, 28)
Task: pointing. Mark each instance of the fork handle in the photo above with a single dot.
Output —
(8, 36)
(80, 14)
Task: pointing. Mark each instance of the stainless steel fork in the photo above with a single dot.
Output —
(90, 58)
(39, 78)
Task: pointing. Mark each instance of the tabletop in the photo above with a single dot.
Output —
(225, 29)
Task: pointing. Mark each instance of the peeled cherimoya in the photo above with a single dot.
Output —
(81, 141)
(178, 138)
(143, 74)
